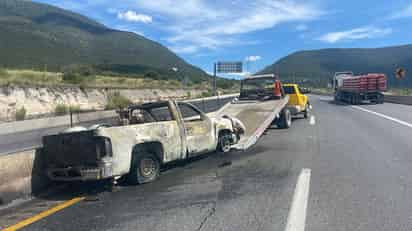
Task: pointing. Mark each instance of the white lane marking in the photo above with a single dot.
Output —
(312, 120)
(297, 214)
(384, 116)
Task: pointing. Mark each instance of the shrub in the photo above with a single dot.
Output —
(225, 84)
(71, 77)
(75, 74)
(61, 109)
(117, 101)
(152, 75)
(206, 94)
(3, 72)
(75, 109)
(86, 71)
(196, 81)
(21, 114)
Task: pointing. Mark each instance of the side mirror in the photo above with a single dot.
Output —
(305, 91)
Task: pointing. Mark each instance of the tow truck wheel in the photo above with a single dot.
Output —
(285, 120)
(224, 142)
(307, 111)
(145, 168)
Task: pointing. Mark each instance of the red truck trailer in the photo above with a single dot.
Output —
(356, 89)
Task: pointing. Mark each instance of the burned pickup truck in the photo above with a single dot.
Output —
(146, 137)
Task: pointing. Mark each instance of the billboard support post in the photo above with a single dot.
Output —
(214, 79)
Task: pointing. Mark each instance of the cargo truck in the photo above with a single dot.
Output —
(357, 89)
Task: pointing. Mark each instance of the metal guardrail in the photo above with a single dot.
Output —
(407, 100)
(397, 99)
(208, 104)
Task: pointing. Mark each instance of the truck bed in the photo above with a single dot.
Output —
(256, 116)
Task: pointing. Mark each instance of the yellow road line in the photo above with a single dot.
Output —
(44, 214)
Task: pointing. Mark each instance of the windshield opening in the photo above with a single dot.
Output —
(289, 89)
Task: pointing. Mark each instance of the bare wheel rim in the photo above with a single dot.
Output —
(225, 144)
(147, 167)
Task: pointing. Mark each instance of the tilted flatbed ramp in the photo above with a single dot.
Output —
(257, 116)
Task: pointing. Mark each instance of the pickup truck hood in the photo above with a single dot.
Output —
(231, 123)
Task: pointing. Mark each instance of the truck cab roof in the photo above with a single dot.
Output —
(148, 105)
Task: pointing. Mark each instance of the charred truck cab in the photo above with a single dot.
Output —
(146, 137)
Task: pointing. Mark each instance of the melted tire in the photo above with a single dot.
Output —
(145, 168)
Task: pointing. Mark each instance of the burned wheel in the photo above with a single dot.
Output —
(224, 142)
(145, 168)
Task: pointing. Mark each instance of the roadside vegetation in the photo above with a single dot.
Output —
(21, 114)
(117, 101)
(391, 91)
(401, 91)
(63, 109)
(86, 77)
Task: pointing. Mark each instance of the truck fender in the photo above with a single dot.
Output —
(154, 147)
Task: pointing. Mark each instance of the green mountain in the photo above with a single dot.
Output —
(34, 35)
(318, 66)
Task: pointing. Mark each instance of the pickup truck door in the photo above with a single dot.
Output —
(303, 99)
(198, 128)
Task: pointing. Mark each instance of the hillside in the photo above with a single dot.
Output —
(38, 36)
(318, 66)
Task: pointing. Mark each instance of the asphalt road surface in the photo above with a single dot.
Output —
(358, 159)
(19, 141)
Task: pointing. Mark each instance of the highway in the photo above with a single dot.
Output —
(14, 142)
(354, 161)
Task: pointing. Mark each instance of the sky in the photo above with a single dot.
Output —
(256, 32)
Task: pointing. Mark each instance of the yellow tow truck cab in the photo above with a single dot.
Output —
(298, 102)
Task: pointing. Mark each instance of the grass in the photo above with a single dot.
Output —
(52, 79)
(29, 77)
(403, 91)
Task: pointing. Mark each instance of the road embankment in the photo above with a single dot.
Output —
(21, 175)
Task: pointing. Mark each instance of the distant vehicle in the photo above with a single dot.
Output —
(298, 102)
(266, 87)
(357, 89)
(148, 136)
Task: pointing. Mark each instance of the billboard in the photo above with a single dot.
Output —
(229, 67)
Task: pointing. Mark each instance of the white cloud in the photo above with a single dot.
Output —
(253, 58)
(184, 49)
(403, 13)
(212, 24)
(355, 34)
(132, 16)
(195, 25)
(237, 75)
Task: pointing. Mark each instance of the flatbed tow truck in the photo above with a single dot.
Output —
(262, 102)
